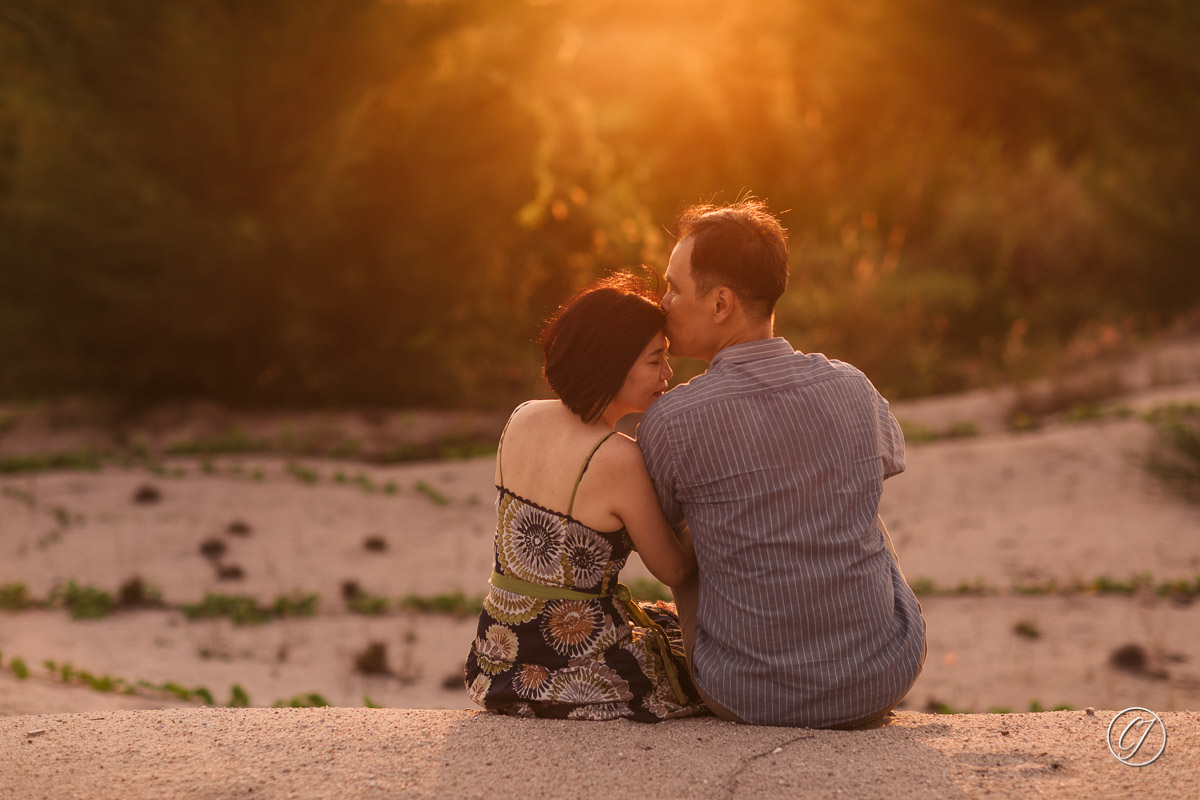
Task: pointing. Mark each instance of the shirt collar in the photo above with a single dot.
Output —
(753, 351)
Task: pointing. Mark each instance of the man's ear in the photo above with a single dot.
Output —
(724, 302)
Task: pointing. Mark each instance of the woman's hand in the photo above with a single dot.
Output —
(684, 533)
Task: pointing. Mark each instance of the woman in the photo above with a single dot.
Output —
(558, 636)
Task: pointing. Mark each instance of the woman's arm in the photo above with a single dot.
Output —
(635, 502)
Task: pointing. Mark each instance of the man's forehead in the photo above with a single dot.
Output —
(679, 257)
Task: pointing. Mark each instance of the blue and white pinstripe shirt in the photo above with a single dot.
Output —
(777, 458)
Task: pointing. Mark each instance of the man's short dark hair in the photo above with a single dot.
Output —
(593, 341)
(742, 246)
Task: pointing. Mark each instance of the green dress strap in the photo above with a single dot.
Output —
(571, 505)
(500, 444)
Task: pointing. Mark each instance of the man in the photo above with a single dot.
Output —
(775, 459)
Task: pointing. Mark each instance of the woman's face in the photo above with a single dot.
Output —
(646, 380)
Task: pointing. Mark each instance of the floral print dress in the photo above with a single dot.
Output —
(576, 651)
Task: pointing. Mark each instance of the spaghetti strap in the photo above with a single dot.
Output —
(500, 444)
(588, 460)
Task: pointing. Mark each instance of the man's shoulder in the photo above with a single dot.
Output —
(680, 399)
(797, 371)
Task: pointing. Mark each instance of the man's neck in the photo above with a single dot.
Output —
(756, 332)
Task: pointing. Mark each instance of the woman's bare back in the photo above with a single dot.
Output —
(544, 448)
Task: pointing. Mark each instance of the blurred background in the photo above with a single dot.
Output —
(346, 202)
(272, 274)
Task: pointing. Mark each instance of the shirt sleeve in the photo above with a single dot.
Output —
(653, 438)
(891, 439)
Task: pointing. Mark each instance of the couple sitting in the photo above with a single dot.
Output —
(752, 491)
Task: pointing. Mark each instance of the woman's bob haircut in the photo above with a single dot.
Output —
(593, 340)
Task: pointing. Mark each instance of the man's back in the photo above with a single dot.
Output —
(777, 459)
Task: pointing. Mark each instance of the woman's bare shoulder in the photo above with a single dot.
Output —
(619, 454)
(536, 407)
(532, 411)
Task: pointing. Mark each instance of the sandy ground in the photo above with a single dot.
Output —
(1065, 503)
(1069, 502)
(223, 753)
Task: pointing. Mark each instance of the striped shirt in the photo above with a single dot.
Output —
(776, 459)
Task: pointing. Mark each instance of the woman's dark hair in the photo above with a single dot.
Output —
(741, 246)
(593, 340)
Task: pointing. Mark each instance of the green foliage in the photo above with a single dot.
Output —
(20, 495)
(99, 683)
(649, 589)
(242, 609)
(1034, 707)
(170, 687)
(1022, 421)
(369, 703)
(14, 596)
(66, 674)
(916, 433)
(302, 474)
(85, 602)
(923, 587)
(39, 462)
(944, 228)
(458, 447)
(1174, 458)
(455, 603)
(433, 494)
(296, 604)
(245, 609)
(238, 697)
(1106, 585)
(232, 440)
(310, 700)
(136, 593)
(367, 605)
(1183, 590)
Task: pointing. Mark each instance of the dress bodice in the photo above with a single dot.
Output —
(540, 545)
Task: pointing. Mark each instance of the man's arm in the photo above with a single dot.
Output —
(652, 437)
